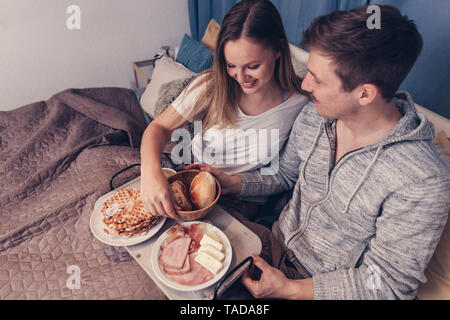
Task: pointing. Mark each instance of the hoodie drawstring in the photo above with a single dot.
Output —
(364, 177)
(316, 139)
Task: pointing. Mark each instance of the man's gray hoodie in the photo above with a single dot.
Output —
(366, 227)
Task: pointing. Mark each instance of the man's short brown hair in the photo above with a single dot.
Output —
(382, 57)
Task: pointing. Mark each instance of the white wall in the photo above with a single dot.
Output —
(40, 56)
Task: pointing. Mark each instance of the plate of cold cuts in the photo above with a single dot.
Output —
(191, 256)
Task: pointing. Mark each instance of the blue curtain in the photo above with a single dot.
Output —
(428, 80)
(202, 11)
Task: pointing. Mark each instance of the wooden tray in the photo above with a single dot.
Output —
(243, 241)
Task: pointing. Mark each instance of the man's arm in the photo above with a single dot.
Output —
(407, 233)
(284, 175)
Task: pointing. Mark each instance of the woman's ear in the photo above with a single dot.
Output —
(277, 55)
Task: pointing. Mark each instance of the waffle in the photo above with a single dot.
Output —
(124, 214)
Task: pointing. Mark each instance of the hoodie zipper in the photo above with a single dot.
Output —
(333, 167)
(331, 176)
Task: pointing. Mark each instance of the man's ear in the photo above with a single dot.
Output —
(367, 93)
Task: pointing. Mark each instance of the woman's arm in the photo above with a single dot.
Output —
(156, 136)
(155, 191)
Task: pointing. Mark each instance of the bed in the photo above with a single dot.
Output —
(57, 158)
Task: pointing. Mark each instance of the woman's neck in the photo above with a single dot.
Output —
(263, 100)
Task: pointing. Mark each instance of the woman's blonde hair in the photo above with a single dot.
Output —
(260, 21)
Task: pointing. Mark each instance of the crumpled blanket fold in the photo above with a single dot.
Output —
(56, 159)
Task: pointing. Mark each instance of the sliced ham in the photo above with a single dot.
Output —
(175, 232)
(185, 269)
(196, 232)
(196, 276)
(178, 255)
(173, 255)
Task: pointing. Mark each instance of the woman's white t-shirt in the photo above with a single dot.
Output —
(254, 143)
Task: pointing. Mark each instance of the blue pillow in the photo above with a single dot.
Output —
(194, 55)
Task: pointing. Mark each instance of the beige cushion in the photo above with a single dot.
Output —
(440, 123)
(299, 60)
(166, 70)
(211, 33)
(168, 93)
(437, 286)
(442, 143)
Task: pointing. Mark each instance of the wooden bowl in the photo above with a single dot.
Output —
(186, 177)
(168, 172)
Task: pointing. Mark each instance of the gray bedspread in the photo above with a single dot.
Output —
(56, 160)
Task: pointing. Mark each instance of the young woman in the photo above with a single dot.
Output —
(251, 90)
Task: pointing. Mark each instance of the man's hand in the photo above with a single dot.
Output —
(271, 283)
(229, 184)
(274, 284)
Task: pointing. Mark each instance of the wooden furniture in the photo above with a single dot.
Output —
(138, 71)
(243, 241)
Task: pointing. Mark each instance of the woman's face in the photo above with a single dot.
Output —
(250, 64)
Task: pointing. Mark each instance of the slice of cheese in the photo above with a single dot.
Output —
(209, 262)
(206, 239)
(214, 235)
(218, 255)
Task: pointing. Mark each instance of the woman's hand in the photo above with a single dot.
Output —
(157, 195)
(229, 184)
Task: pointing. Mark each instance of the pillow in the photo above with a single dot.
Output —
(166, 70)
(168, 93)
(194, 55)
(211, 33)
(437, 286)
(299, 60)
(442, 143)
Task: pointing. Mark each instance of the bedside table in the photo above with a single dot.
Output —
(138, 71)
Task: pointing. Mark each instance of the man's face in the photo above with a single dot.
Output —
(326, 88)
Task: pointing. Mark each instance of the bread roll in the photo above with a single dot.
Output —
(202, 190)
(180, 193)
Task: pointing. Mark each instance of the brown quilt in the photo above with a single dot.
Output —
(56, 160)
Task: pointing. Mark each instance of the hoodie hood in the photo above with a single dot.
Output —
(413, 126)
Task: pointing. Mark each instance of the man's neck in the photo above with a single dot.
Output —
(366, 128)
(370, 125)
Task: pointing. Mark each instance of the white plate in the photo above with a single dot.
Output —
(97, 228)
(164, 279)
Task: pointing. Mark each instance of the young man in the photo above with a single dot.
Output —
(371, 194)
